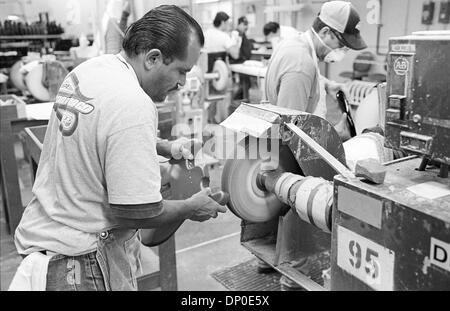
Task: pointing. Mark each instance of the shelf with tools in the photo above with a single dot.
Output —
(31, 37)
(13, 47)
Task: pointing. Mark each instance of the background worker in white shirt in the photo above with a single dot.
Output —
(218, 38)
(219, 41)
(275, 32)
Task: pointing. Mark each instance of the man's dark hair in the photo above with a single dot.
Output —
(318, 24)
(243, 20)
(220, 17)
(271, 27)
(167, 28)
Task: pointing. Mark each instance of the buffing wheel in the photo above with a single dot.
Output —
(247, 201)
(221, 69)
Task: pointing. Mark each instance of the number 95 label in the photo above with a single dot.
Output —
(368, 261)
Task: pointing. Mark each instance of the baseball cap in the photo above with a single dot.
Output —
(342, 17)
(243, 19)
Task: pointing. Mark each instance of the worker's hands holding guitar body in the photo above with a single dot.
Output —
(204, 206)
(184, 148)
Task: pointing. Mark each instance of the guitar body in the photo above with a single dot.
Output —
(184, 183)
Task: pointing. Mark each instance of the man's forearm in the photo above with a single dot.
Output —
(163, 148)
(173, 211)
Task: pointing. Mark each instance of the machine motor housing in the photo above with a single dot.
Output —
(417, 118)
(394, 236)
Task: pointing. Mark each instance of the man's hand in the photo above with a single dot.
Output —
(204, 206)
(333, 87)
(236, 38)
(185, 148)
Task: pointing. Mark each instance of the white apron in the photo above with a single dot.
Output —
(321, 108)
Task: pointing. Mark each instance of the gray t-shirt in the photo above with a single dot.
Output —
(292, 79)
(99, 149)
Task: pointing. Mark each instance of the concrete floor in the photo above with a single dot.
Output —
(202, 248)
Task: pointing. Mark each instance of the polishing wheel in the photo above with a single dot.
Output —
(221, 68)
(219, 75)
(239, 179)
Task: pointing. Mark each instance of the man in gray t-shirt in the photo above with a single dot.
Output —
(98, 179)
(293, 77)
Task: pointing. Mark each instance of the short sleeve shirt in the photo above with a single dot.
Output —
(287, 32)
(217, 40)
(99, 149)
(292, 79)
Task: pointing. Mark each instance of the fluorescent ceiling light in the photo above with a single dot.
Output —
(205, 1)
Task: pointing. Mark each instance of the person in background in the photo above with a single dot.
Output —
(293, 77)
(245, 53)
(219, 43)
(218, 38)
(113, 27)
(275, 32)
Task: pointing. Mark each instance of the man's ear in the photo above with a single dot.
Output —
(153, 58)
(324, 31)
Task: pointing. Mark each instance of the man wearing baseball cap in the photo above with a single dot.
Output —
(293, 77)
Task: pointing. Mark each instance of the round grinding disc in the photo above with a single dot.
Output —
(247, 201)
(221, 68)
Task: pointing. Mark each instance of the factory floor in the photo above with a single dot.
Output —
(201, 248)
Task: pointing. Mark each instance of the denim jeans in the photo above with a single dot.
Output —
(113, 266)
(75, 273)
